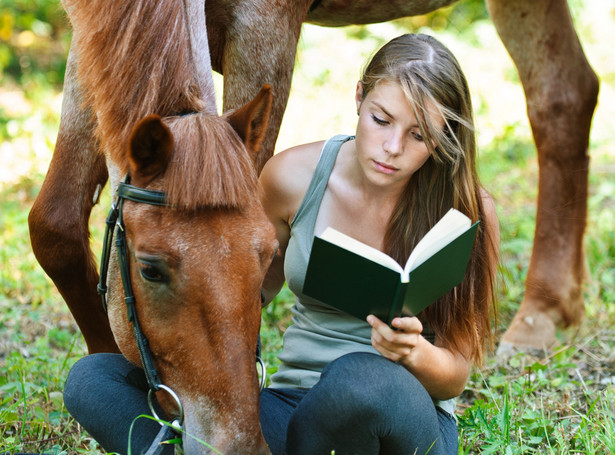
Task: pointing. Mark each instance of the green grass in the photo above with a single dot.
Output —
(560, 404)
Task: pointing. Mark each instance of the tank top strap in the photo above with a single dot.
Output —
(308, 210)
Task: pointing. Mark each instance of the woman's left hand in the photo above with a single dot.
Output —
(397, 343)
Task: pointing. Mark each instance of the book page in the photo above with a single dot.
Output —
(450, 226)
(345, 241)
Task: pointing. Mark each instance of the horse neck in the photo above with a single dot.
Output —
(137, 59)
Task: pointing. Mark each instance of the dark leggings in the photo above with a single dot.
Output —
(363, 404)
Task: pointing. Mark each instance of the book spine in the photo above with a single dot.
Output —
(397, 303)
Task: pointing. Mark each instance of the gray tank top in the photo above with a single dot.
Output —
(319, 333)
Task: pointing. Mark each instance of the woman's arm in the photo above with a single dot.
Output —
(274, 202)
(285, 179)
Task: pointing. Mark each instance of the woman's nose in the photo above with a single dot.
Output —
(393, 144)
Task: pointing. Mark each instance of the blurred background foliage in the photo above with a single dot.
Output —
(35, 36)
(34, 39)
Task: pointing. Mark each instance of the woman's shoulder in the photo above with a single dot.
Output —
(303, 157)
(287, 175)
(290, 172)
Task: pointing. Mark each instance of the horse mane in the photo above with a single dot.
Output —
(210, 166)
(135, 60)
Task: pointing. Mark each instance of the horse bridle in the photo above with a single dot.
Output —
(115, 223)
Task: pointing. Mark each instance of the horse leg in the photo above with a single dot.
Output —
(561, 93)
(258, 48)
(59, 217)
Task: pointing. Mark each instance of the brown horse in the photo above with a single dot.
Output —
(251, 44)
(145, 98)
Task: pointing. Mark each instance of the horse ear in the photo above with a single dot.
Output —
(150, 148)
(251, 121)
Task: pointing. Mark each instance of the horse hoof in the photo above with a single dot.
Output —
(507, 350)
(532, 334)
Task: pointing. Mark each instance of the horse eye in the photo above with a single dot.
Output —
(152, 273)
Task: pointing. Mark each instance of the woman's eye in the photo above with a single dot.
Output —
(418, 136)
(379, 121)
(151, 273)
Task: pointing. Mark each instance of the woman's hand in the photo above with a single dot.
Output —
(396, 344)
(442, 371)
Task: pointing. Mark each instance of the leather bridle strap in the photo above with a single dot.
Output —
(115, 222)
(136, 194)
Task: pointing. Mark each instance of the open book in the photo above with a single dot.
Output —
(360, 280)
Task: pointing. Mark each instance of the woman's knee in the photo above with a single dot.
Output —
(79, 378)
(361, 384)
(370, 376)
(364, 400)
(95, 375)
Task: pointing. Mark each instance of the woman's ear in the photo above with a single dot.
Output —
(359, 96)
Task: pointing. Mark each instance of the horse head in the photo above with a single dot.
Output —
(196, 265)
(195, 260)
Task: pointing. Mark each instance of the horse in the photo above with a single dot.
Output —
(195, 240)
(251, 44)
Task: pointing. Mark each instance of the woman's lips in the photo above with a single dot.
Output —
(385, 168)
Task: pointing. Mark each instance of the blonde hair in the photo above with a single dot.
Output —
(430, 76)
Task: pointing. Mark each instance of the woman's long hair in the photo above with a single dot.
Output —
(431, 77)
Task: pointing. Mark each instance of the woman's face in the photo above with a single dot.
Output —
(390, 147)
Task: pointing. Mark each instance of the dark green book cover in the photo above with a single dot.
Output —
(359, 286)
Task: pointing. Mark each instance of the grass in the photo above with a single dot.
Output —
(559, 404)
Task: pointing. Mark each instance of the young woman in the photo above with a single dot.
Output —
(344, 384)
(358, 386)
